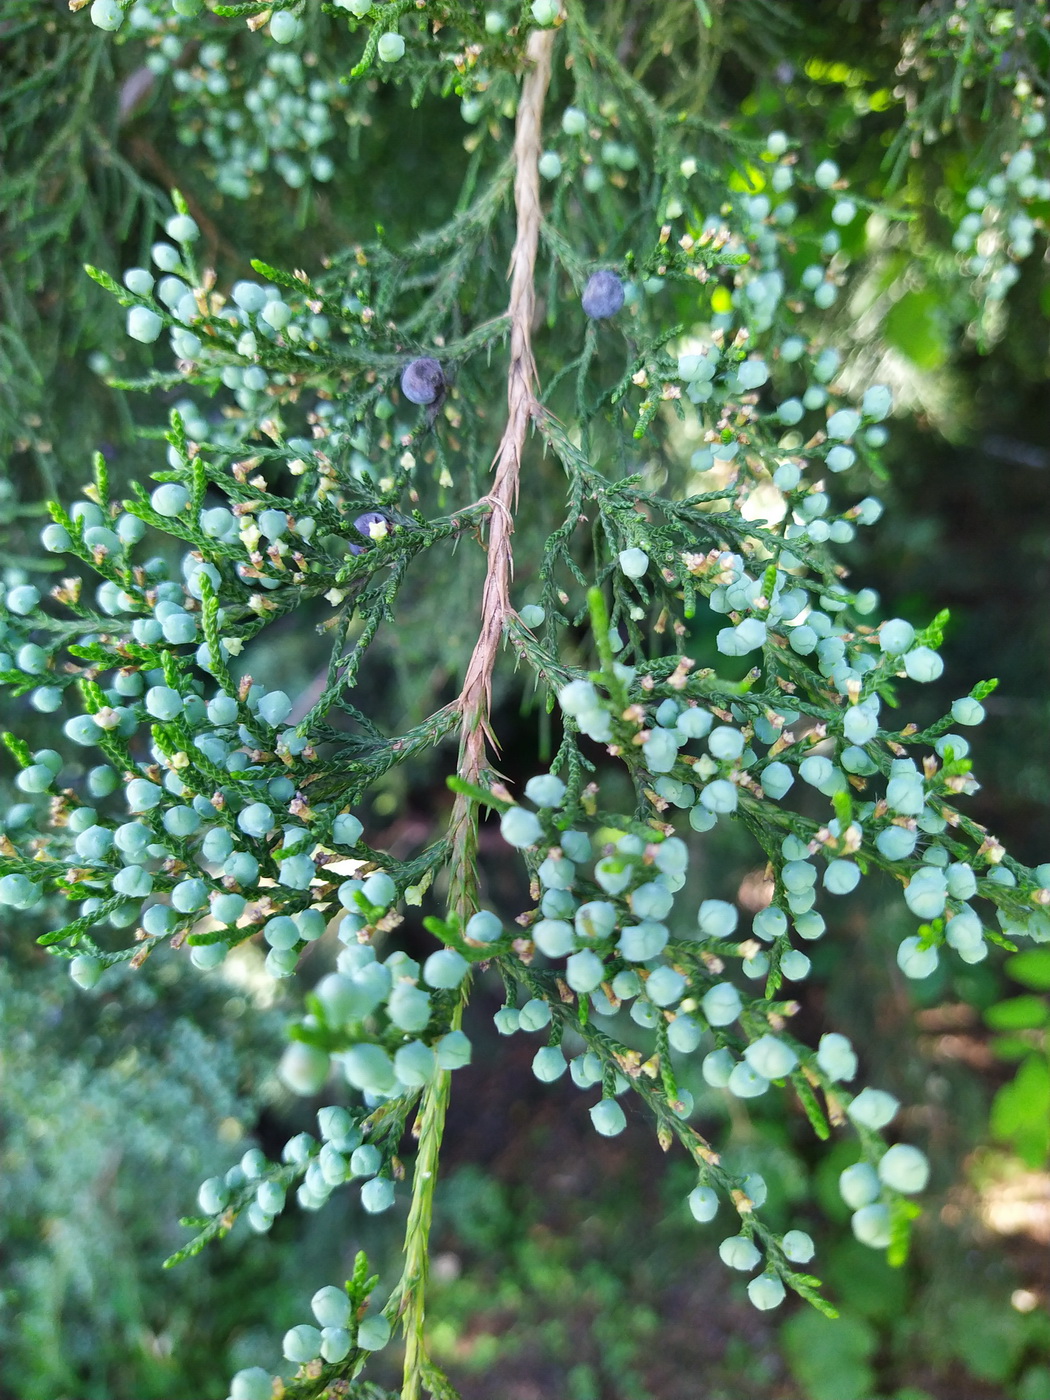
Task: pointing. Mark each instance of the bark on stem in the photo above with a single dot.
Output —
(475, 699)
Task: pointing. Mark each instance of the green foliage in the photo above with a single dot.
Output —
(258, 653)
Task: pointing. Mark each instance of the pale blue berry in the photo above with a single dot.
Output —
(859, 1185)
(608, 1118)
(584, 971)
(453, 1050)
(107, 14)
(252, 1384)
(633, 562)
(914, 960)
(143, 324)
(904, 1168)
(703, 1204)
(873, 1108)
(520, 828)
(766, 1292)
(871, 1225)
(549, 1064)
(745, 1081)
(721, 1004)
(303, 1068)
(445, 968)
(84, 969)
(738, 1252)
(798, 1247)
(771, 1057)
(302, 1344)
(836, 1057)
(391, 47)
(484, 927)
(545, 790)
(374, 1333)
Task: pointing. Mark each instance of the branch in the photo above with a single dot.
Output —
(475, 699)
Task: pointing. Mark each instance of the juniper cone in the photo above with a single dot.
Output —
(422, 381)
(602, 296)
(363, 525)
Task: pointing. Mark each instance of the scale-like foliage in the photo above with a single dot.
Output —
(658, 550)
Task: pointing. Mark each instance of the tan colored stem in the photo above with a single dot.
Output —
(476, 696)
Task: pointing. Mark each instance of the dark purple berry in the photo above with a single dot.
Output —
(603, 295)
(364, 526)
(422, 381)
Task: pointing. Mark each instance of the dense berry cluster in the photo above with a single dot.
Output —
(689, 621)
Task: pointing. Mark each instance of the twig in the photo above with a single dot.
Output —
(475, 699)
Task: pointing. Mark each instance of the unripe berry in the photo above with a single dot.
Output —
(142, 324)
(303, 1068)
(331, 1307)
(633, 562)
(374, 1333)
(798, 1247)
(302, 1344)
(905, 1168)
(377, 1195)
(252, 1384)
(703, 1203)
(85, 971)
(107, 14)
(284, 26)
(608, 1118)
(738, 1252)
(871, 1225)
(391, 47)
(766, 1291)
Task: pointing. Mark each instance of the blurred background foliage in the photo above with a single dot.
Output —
(565, 1266)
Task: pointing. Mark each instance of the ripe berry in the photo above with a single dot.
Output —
(373, 526)
(545, 12)
(414, 1064)
(520, 828)
(721, 1004)
(603, 295)
(453, 1050)
(484, 927)
(423, 381)
(335, 1343)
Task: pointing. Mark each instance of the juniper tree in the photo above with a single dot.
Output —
(602, 413)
